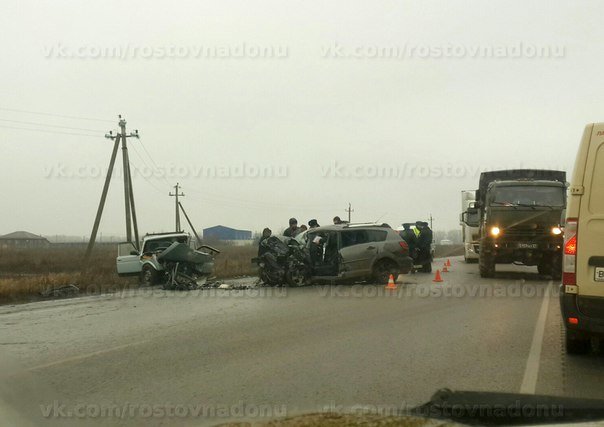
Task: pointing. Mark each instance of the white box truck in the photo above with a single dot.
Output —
(469, 221)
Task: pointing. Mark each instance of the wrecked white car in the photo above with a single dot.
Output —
(167, 259)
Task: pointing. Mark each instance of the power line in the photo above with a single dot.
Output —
(156, 168)
(51, 131)
(14, 110)
(51, 126)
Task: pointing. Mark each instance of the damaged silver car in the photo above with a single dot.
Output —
(167, 259)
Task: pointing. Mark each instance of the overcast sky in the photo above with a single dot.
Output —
(264, 110)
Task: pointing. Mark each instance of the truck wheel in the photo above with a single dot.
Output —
(148, 276)
(486, 265)
(575, 345)
(544, 268)
(557, 268)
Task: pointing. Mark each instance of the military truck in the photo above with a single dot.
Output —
(520, 214)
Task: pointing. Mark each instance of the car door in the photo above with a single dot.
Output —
(590, 248)
(357, 253)
(128, 260)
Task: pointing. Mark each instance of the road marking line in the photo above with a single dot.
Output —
(531, 372)
(83, 356)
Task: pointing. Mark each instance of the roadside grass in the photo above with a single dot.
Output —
(26, 273)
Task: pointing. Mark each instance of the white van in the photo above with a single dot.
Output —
(582, 289)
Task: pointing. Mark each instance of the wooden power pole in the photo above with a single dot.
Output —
(349, 210)
(177, 195)
(131, 222)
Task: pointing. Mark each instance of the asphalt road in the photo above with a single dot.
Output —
(204, 357)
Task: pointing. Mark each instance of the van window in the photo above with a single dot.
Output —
(596, 197)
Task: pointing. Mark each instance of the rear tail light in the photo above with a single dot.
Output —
(404, 246)
(569, 270)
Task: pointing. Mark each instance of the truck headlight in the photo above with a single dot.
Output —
(495, 231)
(556, 230)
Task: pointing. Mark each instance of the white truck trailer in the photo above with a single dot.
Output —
(469, 222)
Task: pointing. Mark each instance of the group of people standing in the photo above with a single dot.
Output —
(418, 239)
(293, 230)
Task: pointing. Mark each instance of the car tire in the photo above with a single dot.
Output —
(382, 271)
(149, 276)
(296, 278)
(575, 345)
(427, 268)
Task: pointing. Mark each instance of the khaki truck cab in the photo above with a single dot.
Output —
(582, 289)
(520, 213)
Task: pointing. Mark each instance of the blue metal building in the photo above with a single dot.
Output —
(220, 232)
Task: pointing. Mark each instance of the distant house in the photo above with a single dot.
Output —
(220, 232)
(23, 240)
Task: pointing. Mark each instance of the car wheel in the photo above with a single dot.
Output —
(427, 268)
(148, 276)
(576, 345)
(268, 279)
(382, 271)
(296, 278)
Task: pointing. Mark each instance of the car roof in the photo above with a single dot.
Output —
(163, 235)
(341, 227)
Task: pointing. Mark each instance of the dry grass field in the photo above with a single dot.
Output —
(24, 274)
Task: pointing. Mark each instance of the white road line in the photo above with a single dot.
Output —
(84, 356)
(531, 372)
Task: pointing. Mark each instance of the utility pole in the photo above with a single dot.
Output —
(190, 224)
(177, 195)
(349, 210)
(121, 136)
(431, 222)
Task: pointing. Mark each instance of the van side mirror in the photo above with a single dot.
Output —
(133, 253)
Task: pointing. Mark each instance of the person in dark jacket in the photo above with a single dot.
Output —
(424, 240)
(262, 248)
(410, 238)
(292, 230)
(313, 223)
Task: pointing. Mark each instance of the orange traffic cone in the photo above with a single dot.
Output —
(437, 277)
(448, 262)
(445, 269)
(391, 284)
